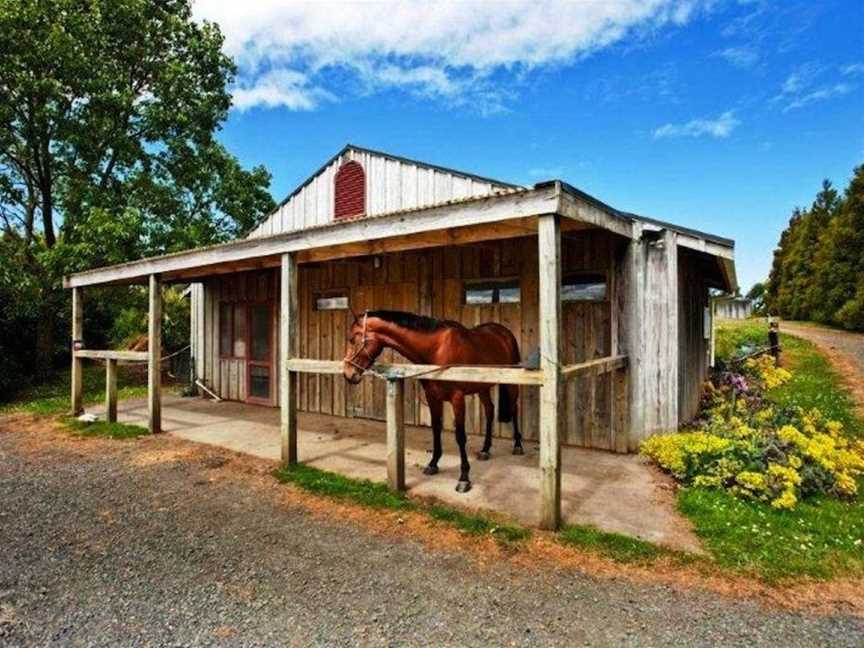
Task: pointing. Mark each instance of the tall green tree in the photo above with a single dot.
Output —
(837, 288)
(108, 115)
(818, 268)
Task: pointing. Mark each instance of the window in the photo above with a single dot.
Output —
(331, 301)
(499, 291)
(349, 189)
(232, 330)
(584, 286)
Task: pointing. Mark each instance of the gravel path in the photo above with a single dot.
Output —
(137, 543)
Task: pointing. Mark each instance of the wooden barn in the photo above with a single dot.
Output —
(611, 310)
(732, 308)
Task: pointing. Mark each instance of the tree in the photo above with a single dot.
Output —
(838, 281)
(108, 110)
(756, 295)
(818, 268)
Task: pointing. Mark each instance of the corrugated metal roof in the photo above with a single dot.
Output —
(713, 238)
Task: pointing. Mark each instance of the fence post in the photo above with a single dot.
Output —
(288, 309)
(76, 378)
(111, 390)
(551, 391)
(154, 350)
(396, 434)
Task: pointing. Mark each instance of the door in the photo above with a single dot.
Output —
(259, 364)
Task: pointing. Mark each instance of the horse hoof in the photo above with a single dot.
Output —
(430, 470)
(518, 450)
(483, 456)
(463, 487)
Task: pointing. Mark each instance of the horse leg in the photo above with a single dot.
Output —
(458, 402)
(436, 409)
(489, 414)
(514, 410)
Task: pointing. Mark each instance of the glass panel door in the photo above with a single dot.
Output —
(259, 366)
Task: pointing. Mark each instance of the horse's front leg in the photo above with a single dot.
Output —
(458, 402)
(436, 409)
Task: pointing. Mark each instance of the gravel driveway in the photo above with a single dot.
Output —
(846, 342)
(137, 543)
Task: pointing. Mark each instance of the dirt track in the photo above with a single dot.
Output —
(160, 541)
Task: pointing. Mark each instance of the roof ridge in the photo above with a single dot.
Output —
(363, 149)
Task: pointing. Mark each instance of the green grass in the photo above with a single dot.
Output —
(52, 398)
(104, 429)
(618, 547)
(815, 384)
(734, 335)
(379, 496)
(329, 484)
(822, 538)
(473, 524)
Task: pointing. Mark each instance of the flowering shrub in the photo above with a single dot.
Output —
(748, 447)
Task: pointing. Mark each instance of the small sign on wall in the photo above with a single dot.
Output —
(706, 322)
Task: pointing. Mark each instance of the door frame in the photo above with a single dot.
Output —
(269, 363)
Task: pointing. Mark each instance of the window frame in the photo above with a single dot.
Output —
(575, 276)
(233, 306)
(494, 284)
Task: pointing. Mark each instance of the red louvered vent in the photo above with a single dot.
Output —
(350, 188)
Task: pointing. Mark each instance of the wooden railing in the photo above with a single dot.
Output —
(397, 373)
(110, 358)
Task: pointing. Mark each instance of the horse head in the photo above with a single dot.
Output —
(363, 348)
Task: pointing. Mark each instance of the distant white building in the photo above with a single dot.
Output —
(732, 308)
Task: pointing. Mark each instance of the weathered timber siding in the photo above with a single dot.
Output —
(430, 282)
(391, 185)
(692, 343)
(733, 309)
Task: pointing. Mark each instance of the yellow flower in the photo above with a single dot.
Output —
(845, 484)
(670, 451)
(835, 428)
(753, 481)
(786, 501)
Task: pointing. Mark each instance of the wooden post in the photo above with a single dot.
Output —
(551, 392)
(396, 434)
(111, 390)
(287, 350)
(77, 339)
(154, 363)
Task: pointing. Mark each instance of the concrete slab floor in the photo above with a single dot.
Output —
(619, 493)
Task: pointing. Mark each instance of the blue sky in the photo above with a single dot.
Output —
(718, 115)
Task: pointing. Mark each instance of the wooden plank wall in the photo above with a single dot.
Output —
(430, 282)
(693, 346)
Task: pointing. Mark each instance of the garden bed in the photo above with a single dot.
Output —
(772, 474)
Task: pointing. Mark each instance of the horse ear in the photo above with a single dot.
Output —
(354, 315)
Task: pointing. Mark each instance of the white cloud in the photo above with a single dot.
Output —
(721, 126)
(741, 56)
(820, 94)
(853, 69)
(800, 88)
(444, 50)
(279, 88)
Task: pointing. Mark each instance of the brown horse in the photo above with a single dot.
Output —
(424, 340)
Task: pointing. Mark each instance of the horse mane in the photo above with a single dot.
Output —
(408, 320)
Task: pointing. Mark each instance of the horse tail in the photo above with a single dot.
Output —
(505, 408)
